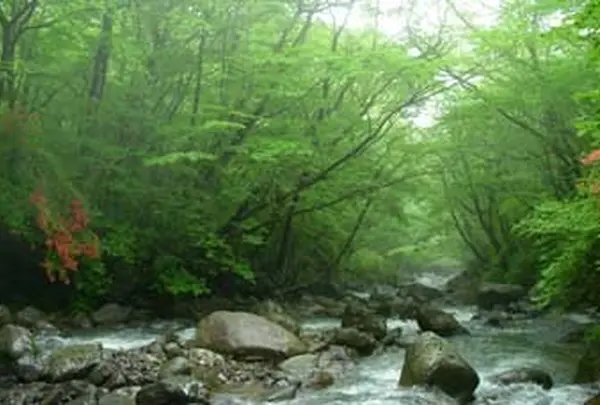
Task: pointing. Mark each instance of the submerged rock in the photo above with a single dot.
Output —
(525, 375)
(284, 394)
(433, 361)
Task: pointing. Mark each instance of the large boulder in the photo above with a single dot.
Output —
(435, 320)
(493, 295)
(244, 334)
(433, 361)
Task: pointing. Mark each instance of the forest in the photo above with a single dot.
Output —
(166, 150)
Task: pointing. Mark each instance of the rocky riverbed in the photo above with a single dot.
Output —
(346, 350)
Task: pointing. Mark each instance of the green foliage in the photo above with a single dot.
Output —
(266, 145)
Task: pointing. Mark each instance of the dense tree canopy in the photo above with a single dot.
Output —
(171, 149)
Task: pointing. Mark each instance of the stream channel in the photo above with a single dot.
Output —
(529, 343)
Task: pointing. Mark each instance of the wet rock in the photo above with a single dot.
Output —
(284, 394)
(305, 368)
(575, 335)
(89, 398)
(81, 321)
(433, 361)
(441, 323)
(420, 293)
(122, 396)
(74, 362)
(525, 375)
(5, 315)
(364, 343)
(15, 341)
(300, 367)
(176, 366)
(391, 305)
(588, 367)
(317, 371)
(316, 341)
(39, 393)
(319, 379)
(463, 287)
(205, 358)
(495, 319)
(125, 368)
(335, 360)
(111, 314)
(173, 391)
(30, 317)
(246, 335)
(361, 318)
(29, 367)
(493, 295)
(114, 398)
(595, 400)
(323, 306)
(395, 338)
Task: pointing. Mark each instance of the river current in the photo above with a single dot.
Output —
(532, 343)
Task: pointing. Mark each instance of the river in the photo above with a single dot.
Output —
(373, 382)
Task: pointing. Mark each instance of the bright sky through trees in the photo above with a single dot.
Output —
(396, 18)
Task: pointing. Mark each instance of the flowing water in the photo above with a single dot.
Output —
(489, 350)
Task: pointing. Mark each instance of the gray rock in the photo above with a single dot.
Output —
(111, 314)
(5, 315)
(441, 323)
(173, 391)
(491, 295)
(362, 342)
(525, 375)
(247, 335)
(15, 341)
(74, 362)
(433, 361)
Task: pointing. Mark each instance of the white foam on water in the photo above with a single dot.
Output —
(374, 381)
